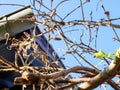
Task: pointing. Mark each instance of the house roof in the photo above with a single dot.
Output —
(15, 22)
(19, 21)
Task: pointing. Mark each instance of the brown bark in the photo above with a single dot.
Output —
(103, 76)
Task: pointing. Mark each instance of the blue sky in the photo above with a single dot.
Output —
(105, 35)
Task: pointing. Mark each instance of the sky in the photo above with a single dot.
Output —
(105, 36)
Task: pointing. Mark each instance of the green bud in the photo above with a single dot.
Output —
(100, 54)
(110, 55)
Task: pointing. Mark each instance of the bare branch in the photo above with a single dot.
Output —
(4, 61)
(108, 73)
(90, 23)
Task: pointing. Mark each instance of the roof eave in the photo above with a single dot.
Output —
(16, 22)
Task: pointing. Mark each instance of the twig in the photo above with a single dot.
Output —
(4, 61)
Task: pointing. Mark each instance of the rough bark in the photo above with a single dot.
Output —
(103, 76)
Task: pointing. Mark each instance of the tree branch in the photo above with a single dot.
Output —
(94, 23)
(4, 61)
(108, 73)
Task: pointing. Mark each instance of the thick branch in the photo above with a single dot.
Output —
(78, 80)
(108, 73)
(28, 76)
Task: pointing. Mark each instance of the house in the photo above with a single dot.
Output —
(14, 25)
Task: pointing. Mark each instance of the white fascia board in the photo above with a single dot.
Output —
(12, 24)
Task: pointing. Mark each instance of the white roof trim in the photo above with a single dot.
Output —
(10, 23)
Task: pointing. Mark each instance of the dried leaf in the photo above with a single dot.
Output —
(107, 13)
(69, 51)
(56, 38)
(87, 0)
